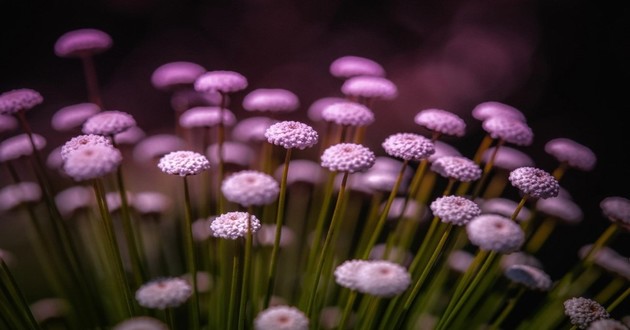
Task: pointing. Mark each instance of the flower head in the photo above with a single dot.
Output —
(19, 146)
(382, 278)
(72, 199)
(574, 154)
(493, 232)
(151, 202)
(616, 208)
(81, 141)
(485, 110)
(272, 100)
(141, 323)
(348, 114)
(183, 163)
(456, 167)
(250, 187)
(73, 116)
(156, 146)
(509, 130)
(12, 196)
(220, 81)
(90, 162)
(281, 317)
(252, 129)
(456, 210)
(233, 225)
(583, 311)
(347, 157)
(408, 146)
(108, 123)
(532, 277)
(507, 158)
(346, 273)
(534, 182)
(441, 121)
(370, 87)
(206, 117)
(171, 75)
(316, 109)
(17, 100)
(82, 42)
(291, 134)
(561, 208)
(164, 293)
(350, 66)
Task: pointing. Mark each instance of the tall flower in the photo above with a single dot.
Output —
(84, 44)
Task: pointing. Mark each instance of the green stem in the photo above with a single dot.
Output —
(191, 259)
(618, 300)
(247, 262)
(17, 295)
(279, 221)
(328, 240)
(507, 309)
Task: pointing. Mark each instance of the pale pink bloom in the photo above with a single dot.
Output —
(20, 146)
(574, 154)
(109, 122)
(350, 66)
(17, 100)
(370, 87)
(485, 110)
(164, 293)
(82, 42)
(273, 100)
(220, 81)
(176, 74)
(441, 121)
(73, 116)
(183, 163)
(347, 157)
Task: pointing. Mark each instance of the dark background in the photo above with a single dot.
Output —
(563, 63)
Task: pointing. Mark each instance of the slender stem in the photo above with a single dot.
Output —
(518, 208)
(113, 248)
(486, 170)
(331, 231)
(345, 316)
(233, 289)
(247, 263)
(507, 309)
(381, 221)
(90, 79)
(191, 259)
(278, 233)
(17, 295)
(618, 300)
